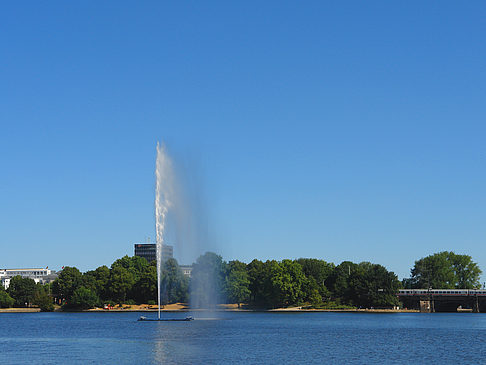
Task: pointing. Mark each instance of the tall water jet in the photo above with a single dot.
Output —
(163, 193)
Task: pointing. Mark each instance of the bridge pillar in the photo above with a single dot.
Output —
(475, 306)
(427, 306)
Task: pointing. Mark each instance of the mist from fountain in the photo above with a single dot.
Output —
(181, 217)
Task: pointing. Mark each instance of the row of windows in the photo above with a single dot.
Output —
(26, 273)
(451, 291)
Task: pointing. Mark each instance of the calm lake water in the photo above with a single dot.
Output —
(243, 338)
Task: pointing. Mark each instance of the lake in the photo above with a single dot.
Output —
(243, 338)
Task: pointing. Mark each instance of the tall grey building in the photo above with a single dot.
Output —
(148, 251)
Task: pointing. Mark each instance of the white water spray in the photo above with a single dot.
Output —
(163, 193)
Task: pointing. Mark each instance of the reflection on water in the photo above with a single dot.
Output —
(160, 355)
(174, 342)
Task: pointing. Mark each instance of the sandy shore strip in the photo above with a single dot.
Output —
(19, 310)
(184, 307)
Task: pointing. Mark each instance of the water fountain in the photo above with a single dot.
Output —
(164, 197)
(163, 190)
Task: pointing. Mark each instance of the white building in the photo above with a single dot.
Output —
(38, 275)
(186, 270)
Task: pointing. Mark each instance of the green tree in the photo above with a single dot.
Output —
(207, 281)
(467, 272)
(256, 276)
(272, 284)
(373, 286)
(6, 301)
(67, 282)
(363, 285)
(383, 286)
(83, 298)
(235, 265)
(237, 283)
(22, 290)
(288, 282)
(174, 284)
(43, 299)
(145, 289)
(311, 291)
(98, 281)
(339, 282)
(121, 283)
(269, 285)
(445, 270)
(316, 271)
(134, 264)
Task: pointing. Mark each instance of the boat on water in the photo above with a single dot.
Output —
(190, 318)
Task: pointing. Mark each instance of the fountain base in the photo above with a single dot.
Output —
(142, 318)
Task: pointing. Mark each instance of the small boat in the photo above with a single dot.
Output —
(189, 318)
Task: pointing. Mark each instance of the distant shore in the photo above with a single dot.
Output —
(182, 307)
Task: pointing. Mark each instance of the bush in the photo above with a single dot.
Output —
(83, 298)
(331, 305)
(6, 301)
(44, 301)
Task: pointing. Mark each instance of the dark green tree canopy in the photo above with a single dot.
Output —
(288, 281)
(121, 282)
(318, 269)
(84, 298)
(338, 282)
(374, 286)
(256, 276)
(98, 281)
(68, 281)
(445, 270)
(6, 301)
(43, 299)
(363, 285)
(174, 283)
(145, 289)
(269, 284)
(134, 264)
(237, 283)
(207, 283)
(22, 290)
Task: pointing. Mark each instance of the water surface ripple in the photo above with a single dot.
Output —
(243, 338)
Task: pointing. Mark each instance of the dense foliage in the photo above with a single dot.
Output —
(207, 283)
(24, 292)
(128, 280)
(270, 284)
(6, 301)
(445, 270)
(320, 284)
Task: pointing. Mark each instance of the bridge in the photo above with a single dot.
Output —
(444, 300)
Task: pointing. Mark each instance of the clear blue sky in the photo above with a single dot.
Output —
(341, 131)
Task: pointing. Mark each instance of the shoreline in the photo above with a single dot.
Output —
(187, 309)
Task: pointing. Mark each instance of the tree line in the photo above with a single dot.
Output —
(309, 282)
